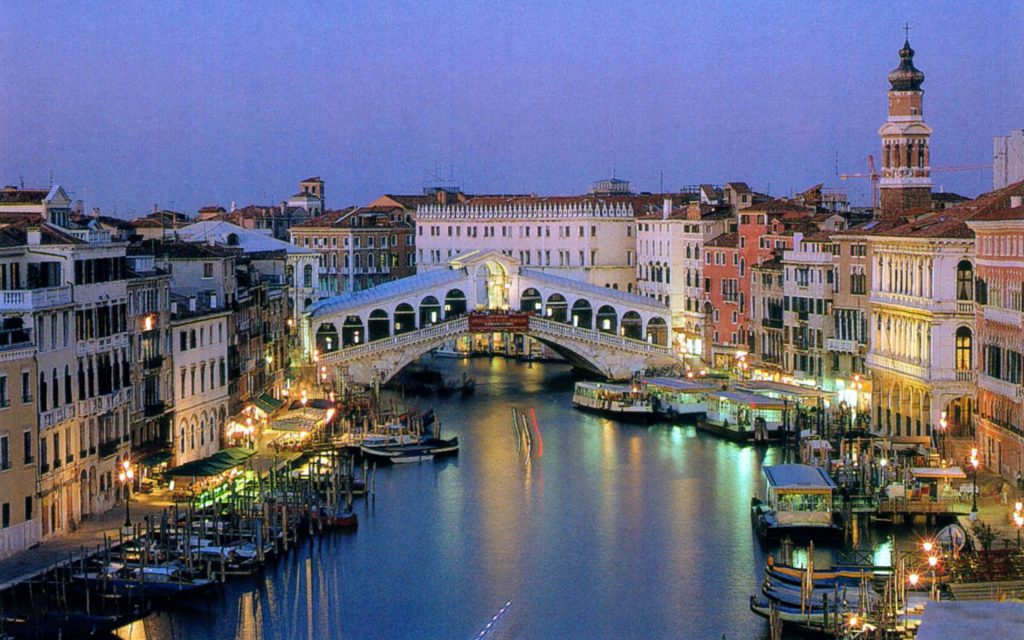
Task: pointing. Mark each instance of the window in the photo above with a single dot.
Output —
(964, 281)
(6, 514)
(26, 387)
(963, 349)
(5, 453)
(4, 400)
(207, 270)
(27, 446)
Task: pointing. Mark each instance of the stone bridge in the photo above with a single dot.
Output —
(369, 335)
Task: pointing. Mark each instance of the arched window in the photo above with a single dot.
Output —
(964, 281)
(307, 276)
(963, 349)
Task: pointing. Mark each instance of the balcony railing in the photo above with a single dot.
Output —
(27, 300)
(154, 362)
(154, 409)
(772, 323)
(109, 448)
(841, 346)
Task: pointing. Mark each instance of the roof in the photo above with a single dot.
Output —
(16, 234)
(728, 240)
(183, 250)
(248, 240)
(678, 384)
(13, 195)
(956, 619)
(749, 399)
(798, 476)
(571, 284)
(382, 292)
(218, 463)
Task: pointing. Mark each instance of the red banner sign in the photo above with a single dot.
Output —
(499, 322)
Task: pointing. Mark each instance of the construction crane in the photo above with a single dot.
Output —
(873, 175)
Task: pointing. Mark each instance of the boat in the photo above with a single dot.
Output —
(151, 581)
(815, 619)
(448, 351)
(798, 503)
(680, 397)
(825, 578)
(743, 416)
(848, 595)
(630, 402)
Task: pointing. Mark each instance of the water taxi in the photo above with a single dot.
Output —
(798, 503)
(743, 416)
(680, 397)
(629, 402)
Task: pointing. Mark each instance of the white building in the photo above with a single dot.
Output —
(809, 282)
(1008, 159)
(199, 351)
(586, 238)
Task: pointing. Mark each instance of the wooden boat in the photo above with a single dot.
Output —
(624, 402)
(826, 578)
(847, 595)
(798, 503)
(422, 451)
(151, 581)
(811, 619)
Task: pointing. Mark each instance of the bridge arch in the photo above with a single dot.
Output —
(327, 337)
(607, 320)
(405, 318)
(430, 311)
(378, 325)
(454, 303)
(657, 331)
(352, 332)
(530, 301)
(557, 308)
(582, 314)
(632, 325)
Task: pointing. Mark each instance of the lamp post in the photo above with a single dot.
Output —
(933, 562)
(1018, 521)
(974, 491)
(942, 432)
(126, 475)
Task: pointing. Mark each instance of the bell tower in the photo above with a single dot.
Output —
(906, 182)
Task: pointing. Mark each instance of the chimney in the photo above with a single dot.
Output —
(442, 197)
(192, 303)
(213, 300)
(155, 208)
(232, 205)
(96, 213)
(174, 308)
(666, 208)
(1016, 202)
(34, 236)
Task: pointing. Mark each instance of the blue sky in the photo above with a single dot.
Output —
(183, 104)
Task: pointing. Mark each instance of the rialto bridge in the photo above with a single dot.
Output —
(367, 336)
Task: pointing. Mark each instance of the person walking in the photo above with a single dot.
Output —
(1004, 493)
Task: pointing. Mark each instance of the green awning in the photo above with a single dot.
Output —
(155, 459)
(267, 403)
(213, 465)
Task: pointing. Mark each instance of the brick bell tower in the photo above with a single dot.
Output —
(906, 182)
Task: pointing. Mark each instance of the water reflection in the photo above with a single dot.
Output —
(617, 531)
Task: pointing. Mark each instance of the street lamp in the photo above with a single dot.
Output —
(974, 492)
(933, 562)
(942, 432)
(126, 475)
(1018, 521)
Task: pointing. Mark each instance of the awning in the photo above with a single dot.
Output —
(213, 465)
(267, 403)
(155, 459)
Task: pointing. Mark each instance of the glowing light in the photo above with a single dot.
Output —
(932, 561)
(927, 546)
(914, 578)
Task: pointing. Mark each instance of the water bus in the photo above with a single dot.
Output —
(680, 397)
(623, 401)
(743, 416)
(798, 503)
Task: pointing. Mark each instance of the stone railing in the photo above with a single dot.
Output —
(842, 346)
(25, 300)
(444, 328)
(541, 325)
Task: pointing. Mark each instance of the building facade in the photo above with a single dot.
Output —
(19, 526)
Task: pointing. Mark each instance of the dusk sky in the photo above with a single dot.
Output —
(185, 104)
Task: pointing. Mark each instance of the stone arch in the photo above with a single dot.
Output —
(378, 325)
(454, 303)
(202, 429)
(607, 320)
(352, 332)
(530, 301)
(405, 318)
(632, 325)
(657, 331)
(557, 308)
(430, 311)
(327, 338)
(182, 427)
(582, 314)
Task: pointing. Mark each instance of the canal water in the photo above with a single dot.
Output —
(606, 530)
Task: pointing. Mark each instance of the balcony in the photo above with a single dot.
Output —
(154, 362)
(1001, 387)
(154, 409)
(772, 323)
(28, 300)
(841, 346)
(965, 306)
(109, 448)
(1001, 315)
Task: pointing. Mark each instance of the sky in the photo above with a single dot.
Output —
(184, 104)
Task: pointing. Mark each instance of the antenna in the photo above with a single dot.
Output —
(906, 30)
(661, 181)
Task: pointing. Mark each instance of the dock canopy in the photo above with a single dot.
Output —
(752, 400)
(938, 473)
(267, 403)
(683, 385)
(800, 477)
(216, 464)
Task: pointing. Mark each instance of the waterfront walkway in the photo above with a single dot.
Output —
(992, 512)
(88, 535)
